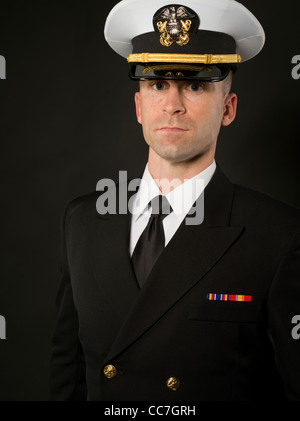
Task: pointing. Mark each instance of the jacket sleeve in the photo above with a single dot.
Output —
(283, 306)
(67, 372)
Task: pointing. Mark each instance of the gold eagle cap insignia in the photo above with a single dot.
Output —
(174, 25)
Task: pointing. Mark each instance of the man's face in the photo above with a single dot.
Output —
(181, 119)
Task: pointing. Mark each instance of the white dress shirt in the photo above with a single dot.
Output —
(181, 200)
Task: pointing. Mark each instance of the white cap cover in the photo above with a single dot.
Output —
(132, 18)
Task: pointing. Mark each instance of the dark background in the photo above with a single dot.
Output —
(68, 120)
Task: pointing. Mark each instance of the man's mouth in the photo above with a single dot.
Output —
(172, 129)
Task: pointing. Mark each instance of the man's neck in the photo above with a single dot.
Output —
(169, 175)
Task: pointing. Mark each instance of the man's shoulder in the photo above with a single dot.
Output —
(257, 198)
(112, 194)
(253, 205)
(262, 206)
(84, 205)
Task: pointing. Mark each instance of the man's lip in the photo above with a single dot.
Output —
(172, 128)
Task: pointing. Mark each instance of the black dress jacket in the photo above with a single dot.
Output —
(248, 244)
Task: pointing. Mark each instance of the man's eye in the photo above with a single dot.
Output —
(195, 87)
(158, 86)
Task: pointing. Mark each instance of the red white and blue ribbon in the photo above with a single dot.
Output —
(229, 297)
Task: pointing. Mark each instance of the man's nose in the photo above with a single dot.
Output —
(173, 101)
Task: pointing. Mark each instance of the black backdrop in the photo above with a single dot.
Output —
(67, 121)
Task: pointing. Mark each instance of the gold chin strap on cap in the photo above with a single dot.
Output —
(184, 58)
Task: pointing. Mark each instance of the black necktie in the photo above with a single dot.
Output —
(152, 240)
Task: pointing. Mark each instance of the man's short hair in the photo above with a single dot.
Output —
(227, 83)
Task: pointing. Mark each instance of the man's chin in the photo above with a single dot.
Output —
(175, 156)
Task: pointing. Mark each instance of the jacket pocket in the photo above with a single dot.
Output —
(220, 311)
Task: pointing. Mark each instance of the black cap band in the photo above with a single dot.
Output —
(201, 42)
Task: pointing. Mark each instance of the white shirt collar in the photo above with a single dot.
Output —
(181, 198)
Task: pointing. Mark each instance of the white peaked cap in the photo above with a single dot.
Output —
(131, 18)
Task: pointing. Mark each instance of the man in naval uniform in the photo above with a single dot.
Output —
(152, 307)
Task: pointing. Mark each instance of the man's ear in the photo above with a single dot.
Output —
(230, 107)
(137, 100)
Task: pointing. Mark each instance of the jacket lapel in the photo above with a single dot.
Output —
(191, 253)
(110, 260)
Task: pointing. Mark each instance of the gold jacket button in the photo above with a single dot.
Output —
(110, 371)
(173, 384)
